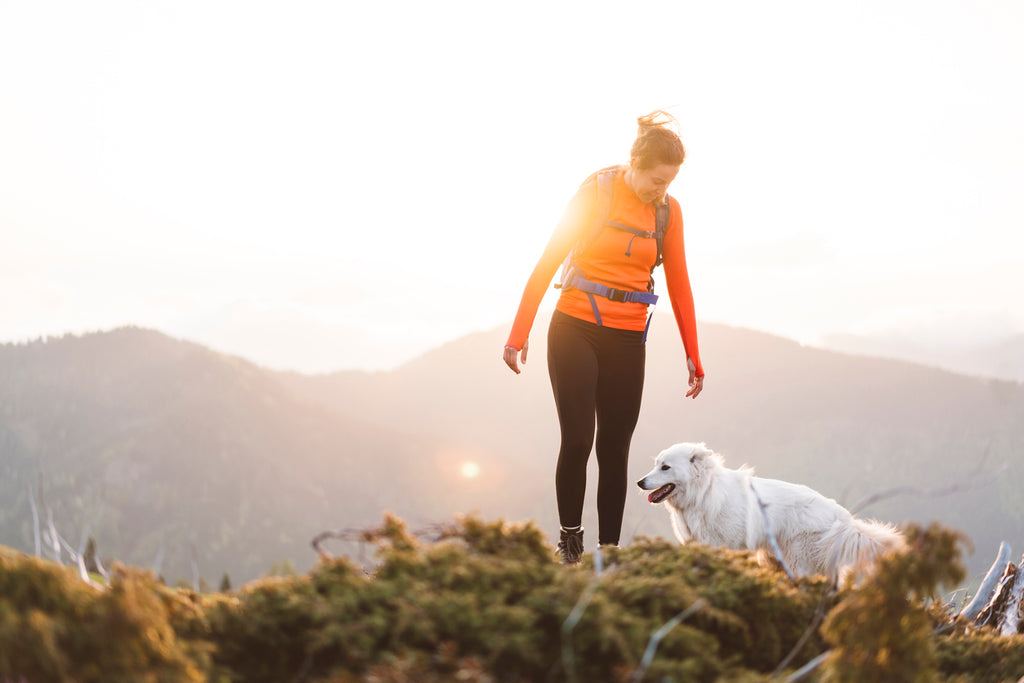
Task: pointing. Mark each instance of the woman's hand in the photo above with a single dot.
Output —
(512, 356)
(696, 383)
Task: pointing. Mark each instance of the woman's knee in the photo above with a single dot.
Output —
(576, 447)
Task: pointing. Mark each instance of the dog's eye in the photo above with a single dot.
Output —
(664, 467)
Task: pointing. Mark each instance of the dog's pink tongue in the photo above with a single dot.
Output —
(659, 494)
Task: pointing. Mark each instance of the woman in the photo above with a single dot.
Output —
(597, 333)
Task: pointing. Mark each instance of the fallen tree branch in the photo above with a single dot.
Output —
(340, 534)
(84, 573)
(54, 537)
(102, 571)
(808, 667)
(657, 636)
(997, 604)
(987, 588)
(1008, 623)
(1003, 609)
(812, 628)
(195, 567)
(771, 537)
(35, 521)
(158, 561)
(568, 661)
(966, 485)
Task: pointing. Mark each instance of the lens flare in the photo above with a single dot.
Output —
(470, 470)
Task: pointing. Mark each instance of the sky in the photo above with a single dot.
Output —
(321, 186)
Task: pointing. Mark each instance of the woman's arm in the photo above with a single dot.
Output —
(681, 295)
(577, 215)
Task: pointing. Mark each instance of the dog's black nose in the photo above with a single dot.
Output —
(641, 483)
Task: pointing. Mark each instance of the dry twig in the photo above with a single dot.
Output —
(574, 617)
(771, 537)
(656, 637)
(966, 485)
(1009, 619)
(808, 667)
(987, 588)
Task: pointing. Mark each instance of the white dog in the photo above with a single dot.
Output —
(712, 504)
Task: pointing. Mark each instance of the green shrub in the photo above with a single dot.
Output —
(881, 631)
(487, 602)
(54, 627)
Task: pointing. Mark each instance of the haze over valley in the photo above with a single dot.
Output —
(167, 453)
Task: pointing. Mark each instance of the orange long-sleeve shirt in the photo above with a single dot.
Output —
(605, 261)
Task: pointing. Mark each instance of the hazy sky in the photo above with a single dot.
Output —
(326, 185)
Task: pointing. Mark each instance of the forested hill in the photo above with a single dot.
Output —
(163, 450)
(166, 452)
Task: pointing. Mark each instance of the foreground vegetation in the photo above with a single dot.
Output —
(481, 601)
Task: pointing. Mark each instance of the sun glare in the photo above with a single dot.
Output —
(470, 470)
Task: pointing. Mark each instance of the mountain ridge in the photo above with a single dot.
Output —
(174, 446)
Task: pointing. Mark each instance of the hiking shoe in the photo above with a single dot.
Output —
(570, 546)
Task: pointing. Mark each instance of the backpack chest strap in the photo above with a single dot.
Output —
(647, 234)
(620, 295)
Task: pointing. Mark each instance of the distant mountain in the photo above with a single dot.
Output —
(1000, 358)
(850, 426)
(159, 447)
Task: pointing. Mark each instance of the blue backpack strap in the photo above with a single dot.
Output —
(621, 295)
(572, 276)
(662, 213)
(604, 180)
(605, 184)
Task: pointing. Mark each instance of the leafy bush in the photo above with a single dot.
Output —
(486, 601)
(489, 597)
(55, 627)
(882, 631)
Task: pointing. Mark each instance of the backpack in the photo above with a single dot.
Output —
(573, 275)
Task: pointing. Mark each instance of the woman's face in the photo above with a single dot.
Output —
(650, 184)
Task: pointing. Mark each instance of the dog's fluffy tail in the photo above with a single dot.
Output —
(855, 544)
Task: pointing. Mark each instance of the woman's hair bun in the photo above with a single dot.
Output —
(657, 141)
(659, 118)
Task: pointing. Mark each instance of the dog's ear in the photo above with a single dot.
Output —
(699, 453)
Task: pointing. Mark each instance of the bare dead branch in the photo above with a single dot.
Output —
(808, 667)
(158, 561)
(341, 535)
(35, 521)
(568, 661)
(999, 597)
(973, 480)
(768, 532)
(657, 636)
(83, 540)
(812, 628)
(72, 555)
(54, 536)
(195, 566)
(1008, 623)
(432, 533)
(102, 571)
(987, 588)
(84, 573)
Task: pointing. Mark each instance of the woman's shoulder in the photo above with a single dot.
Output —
(606, 174)
(588, 193)
(675, 216)
(674, 205)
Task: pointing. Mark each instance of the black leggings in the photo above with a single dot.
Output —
(596, 372)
